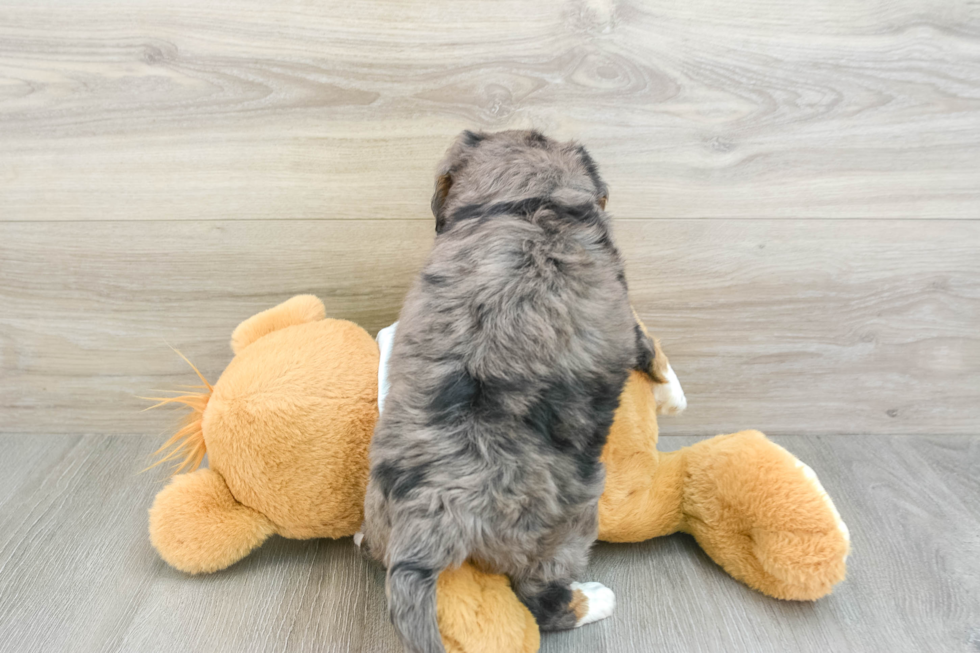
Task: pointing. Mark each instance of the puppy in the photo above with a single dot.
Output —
(512, 349)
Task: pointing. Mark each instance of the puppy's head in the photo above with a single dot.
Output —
(481, 168)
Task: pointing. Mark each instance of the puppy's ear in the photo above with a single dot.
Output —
(443, 183)
(453, 161)
(592, 170)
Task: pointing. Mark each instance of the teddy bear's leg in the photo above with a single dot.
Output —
(757, 511)
(300, 309)
(643, 496)
(197, 525)
(479, 613)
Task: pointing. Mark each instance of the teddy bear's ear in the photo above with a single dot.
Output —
(197, 525)
(300, 309)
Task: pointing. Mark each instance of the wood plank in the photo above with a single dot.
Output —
(25, 460)
(815, 326)
(957, 462)
(705, 108)
(77, 571)
(90, 311)
(793, 327)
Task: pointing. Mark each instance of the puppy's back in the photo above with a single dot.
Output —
(512, 349)
(520, 301)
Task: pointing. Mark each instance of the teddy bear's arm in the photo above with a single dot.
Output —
(644, 487)
(198, 526)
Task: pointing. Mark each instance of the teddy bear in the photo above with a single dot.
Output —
(286, 430)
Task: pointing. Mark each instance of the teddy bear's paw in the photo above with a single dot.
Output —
(591, 602)
(670, 395)
(811, 476)
(198, 526)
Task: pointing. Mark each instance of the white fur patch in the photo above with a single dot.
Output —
(670, 396)
(811, 477)
(358, 538)
(386, 338)
(602, 601)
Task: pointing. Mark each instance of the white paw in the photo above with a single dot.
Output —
(358, 538)
(670, 396)
(601, 600)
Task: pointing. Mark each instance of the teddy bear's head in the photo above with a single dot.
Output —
(286, 429)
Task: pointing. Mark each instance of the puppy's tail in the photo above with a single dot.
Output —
(411, 585)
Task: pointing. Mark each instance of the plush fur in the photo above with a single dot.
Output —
(278, 452)
(198, 526)
(478, 613)
(511, 352)
(754, 508)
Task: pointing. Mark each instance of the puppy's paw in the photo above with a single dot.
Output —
(670, 396)
(591, 602)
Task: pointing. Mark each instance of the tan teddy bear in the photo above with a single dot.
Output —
(286, 430)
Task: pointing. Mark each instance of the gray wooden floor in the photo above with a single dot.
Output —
(77, 572)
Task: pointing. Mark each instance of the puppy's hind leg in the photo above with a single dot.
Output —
(548, 591)
(563, 604)
(594, 601)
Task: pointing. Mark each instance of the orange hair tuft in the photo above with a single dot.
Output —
(186, 447)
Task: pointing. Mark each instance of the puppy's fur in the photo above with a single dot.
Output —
(512, 349)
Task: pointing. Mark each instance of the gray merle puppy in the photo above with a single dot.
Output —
(506, 368)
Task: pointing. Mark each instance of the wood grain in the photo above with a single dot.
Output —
(77, 571)
(180, 111)
(793, 327)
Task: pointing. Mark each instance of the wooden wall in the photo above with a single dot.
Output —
(797, 187)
